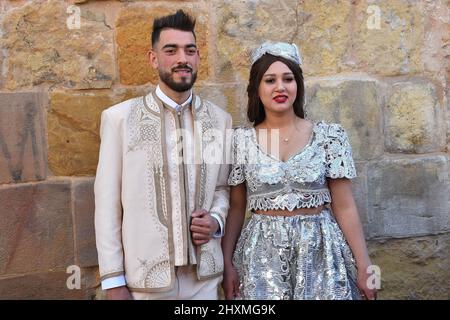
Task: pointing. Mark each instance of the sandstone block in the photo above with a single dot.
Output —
(36, 227)
(48, 43)
(134, 27)
(408, 196)
(73, 128)
(22, 137)
(84, 209)
(414, 119)
(356, 106)
(413, 268)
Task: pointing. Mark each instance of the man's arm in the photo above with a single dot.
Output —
(108, 207)
(207, 225)
(221, 200)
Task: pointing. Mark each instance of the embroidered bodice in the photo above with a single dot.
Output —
(298, 182)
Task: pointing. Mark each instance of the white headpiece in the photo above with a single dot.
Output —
(279, 49)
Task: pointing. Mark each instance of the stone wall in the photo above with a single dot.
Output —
(378, 67)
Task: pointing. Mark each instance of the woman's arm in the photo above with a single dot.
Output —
(346, 214)
(233, 227)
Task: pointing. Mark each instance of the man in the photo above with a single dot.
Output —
(160, 205)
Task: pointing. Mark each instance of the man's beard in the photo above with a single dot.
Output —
(181, 86)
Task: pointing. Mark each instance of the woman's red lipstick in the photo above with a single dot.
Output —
(280, 98)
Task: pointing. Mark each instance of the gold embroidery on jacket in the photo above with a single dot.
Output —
(155, 273)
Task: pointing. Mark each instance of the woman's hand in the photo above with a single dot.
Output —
(230, 283)
(364, 284)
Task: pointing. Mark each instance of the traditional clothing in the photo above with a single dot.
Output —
(148, 184)
(300, 256)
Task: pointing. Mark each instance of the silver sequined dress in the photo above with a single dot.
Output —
(300, 256)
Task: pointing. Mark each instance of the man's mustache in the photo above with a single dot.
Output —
(182, 66)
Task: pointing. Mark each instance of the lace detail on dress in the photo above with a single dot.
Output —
(238, 142)
(236, 175)
(290, 201)
(339, 159)
(302, 257)
(300, 181)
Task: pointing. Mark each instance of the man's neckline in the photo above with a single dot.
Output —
(169, 102)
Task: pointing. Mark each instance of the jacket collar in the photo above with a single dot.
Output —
(152, 97)
(167, 101)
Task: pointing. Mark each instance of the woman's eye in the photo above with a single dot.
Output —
(289, 79)
(269, 81)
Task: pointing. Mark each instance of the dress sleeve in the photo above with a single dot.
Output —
(339, 158)
(237, 175)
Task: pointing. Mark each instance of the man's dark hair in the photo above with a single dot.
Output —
(255, 110)
(179, 21)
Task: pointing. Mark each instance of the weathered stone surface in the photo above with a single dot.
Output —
(49, 285)
(393, 46)
(359, 188)
(90, 281)
(36, 227)
(73, 128)
(100, 294)
(413, 268)
(414, 118)
(84, 208)
(84, 1)
(243, 25)
(22, 137)
(408, 196)
(356, 106)
(134, 27)
(323, 35)
(42, 44)
(436, 48)
(3, 68)
(45, 285)
(232, 98)
(387, 38)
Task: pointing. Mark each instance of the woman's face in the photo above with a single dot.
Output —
(278, 88)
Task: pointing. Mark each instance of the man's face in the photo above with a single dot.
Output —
(176, 57)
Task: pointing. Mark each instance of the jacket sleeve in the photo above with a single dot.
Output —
(221, 200)
(237, 174)
(108, 206)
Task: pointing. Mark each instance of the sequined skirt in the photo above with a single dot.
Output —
(296, 257)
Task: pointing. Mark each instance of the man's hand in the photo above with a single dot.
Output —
(203, 226)
(119, 293)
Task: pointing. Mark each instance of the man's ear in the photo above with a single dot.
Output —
(152, 59)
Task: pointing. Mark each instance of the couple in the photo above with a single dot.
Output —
(171, 229)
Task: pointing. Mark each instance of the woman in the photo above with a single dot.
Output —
(298, 243)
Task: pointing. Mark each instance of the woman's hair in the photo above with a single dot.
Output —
(255, 110)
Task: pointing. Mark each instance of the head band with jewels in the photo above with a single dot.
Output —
(279, 49)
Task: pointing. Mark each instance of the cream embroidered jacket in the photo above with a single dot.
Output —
(133, 199)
